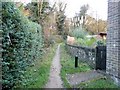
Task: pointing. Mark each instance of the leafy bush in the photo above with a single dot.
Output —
(78, 32)
(86, 42)
(80, 37)
(22, 43)
(100, 43)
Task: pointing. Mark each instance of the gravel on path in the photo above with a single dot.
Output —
(55, 79)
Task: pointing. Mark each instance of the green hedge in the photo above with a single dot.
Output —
(22, 43)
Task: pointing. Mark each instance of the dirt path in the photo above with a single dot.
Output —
(55, 79)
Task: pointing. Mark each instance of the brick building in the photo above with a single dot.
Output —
(113, 40)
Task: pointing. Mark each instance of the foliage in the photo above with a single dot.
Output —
(81, 39)
(86, 42)
(56, 39)
(39, 72)
(90, 42)
(67, 63)
(78, 32)
(95, 26)
(20, 6)
(60, 23)
(22, 44)
(83, 11)
(79, 18)
(38, 11)
(60, 20)
(100, 43)
(42, 13)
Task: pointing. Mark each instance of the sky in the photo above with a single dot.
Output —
(98, 8)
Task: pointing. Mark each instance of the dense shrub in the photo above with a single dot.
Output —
(81, 39)
(22, 43)
(86, 42)
(100, 43)
(78, 32)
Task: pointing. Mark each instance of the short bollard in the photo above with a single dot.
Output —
(76, 61)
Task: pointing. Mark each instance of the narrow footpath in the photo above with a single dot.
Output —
(55, 79)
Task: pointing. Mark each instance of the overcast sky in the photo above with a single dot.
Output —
(98, 8)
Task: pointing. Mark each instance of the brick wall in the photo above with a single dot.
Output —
(0, 46)
(0, 57)
(113, 40)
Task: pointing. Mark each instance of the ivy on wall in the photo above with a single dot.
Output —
(22, 43)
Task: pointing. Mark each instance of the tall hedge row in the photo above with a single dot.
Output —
(22, 44)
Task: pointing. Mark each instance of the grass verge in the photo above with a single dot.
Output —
(98, 83)
(67, 63)
(39, 73)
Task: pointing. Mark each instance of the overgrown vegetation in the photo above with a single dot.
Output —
(39, 73)
(67, 63)
(78, 32)
(22, 45)
(60, 20)
(51, 17)
(81, 39)
(86, 42)
(39, 11)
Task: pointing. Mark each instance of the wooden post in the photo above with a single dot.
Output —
(76, 61)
